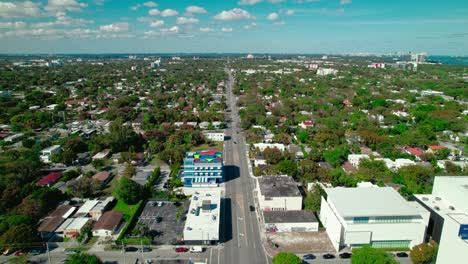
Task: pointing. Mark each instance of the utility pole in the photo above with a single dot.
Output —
(123, 251)
(142, 257)
(48, 252)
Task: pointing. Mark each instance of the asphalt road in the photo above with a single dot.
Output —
(243, 242)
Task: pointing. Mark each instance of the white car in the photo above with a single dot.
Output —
(196, 249)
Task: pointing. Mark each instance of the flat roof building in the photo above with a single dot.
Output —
(290, 221)
(202, 224)
(203, 169)
(448, 224)
(279, 193)
(375, 216)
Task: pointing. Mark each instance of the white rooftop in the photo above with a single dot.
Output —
(203, 223)
(369, 201)
(77, 223)
(87, 206)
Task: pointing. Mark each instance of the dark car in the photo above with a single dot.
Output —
(147, 249)
(131, 249)
(181, 249)
(252, 208)
(35, 252)
(328, 256)
(309, 256)
(402, 254)
(345, 255)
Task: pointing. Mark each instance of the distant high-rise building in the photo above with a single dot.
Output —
(418, 57)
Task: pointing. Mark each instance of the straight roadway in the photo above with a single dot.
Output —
(243, 243)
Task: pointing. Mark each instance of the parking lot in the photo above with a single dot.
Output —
(165, 220)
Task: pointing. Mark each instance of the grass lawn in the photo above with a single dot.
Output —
(216, 146)
(126, 209)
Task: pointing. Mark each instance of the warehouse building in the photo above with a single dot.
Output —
(279, 193)
(448, 224)
(290, 221)
(375, 216)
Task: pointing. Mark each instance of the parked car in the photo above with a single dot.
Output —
(147, 249)
(402, 254)
(196, 249)
(131, 249)
(328, 256)
(309, 256)
(71, 252)
(18, 253)
(181, 249)
(345, 255)
(35, 252)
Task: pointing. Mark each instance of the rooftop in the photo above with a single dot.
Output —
(210, 156)
(369, 201)
(101, 176)
(77, 223)
(109, 220)
(55, 219)
(87, 206)
(49, 178)
(297, 216)
(278, 186)
(203, 215)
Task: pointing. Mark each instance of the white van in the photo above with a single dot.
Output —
(196, 249)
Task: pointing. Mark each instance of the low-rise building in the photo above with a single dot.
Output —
(103, 177)
(355, 159)
(290, 221)
(108, 224)
(375, 216)
(202, 224)
(48, 226)
(263, 146)
(214, 135)
(73, 227)
(47, 153)
(279, 193)
(448, 224)
(101, 155)
(203, 169)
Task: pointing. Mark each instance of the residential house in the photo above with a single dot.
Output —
(103, 177)
(108, 224)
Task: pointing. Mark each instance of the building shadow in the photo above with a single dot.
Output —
(226, 220)
(231, 172)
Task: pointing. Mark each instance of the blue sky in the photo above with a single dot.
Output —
(260, 26)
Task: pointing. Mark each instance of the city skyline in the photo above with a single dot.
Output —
(242, 26)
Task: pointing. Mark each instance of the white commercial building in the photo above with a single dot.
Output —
(47, 153)
(263, 146)
(448, 225)
(355, 159)
(214, 135)
(326, 71)
(375, 216)
(279, 193)
(290, 221)
(202, 224)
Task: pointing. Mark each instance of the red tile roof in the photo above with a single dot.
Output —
(101, 176)
(436, 147)
(414, 151)
(49, 178)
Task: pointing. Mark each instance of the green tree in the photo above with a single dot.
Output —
(83, 258)
(368, 255)
(425, 253)
(129, 191)
(313, 199)
(287, 167)
(286, 258)
(18, 236)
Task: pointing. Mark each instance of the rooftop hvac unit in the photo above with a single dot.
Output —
(452, 208)
(438, 198)
(437, 208)
(425, 199)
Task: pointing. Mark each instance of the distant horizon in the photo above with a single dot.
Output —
(233, 26)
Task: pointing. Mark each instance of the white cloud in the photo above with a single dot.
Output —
(135, 7)
(115, 28)
(290, 12)
(19, 9)
(187, 20)
(233, 14)
(157, 23)
(206, 29)
(279, 23)
(154, 12)
(195, 10)
(64, 5)
(150, 4)
(12, 25)
(345, 2)
(273, 16)
(276, 1)
(63, 19)
(224, 29)
(249, 2)
(251, 25)
(169, 13)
